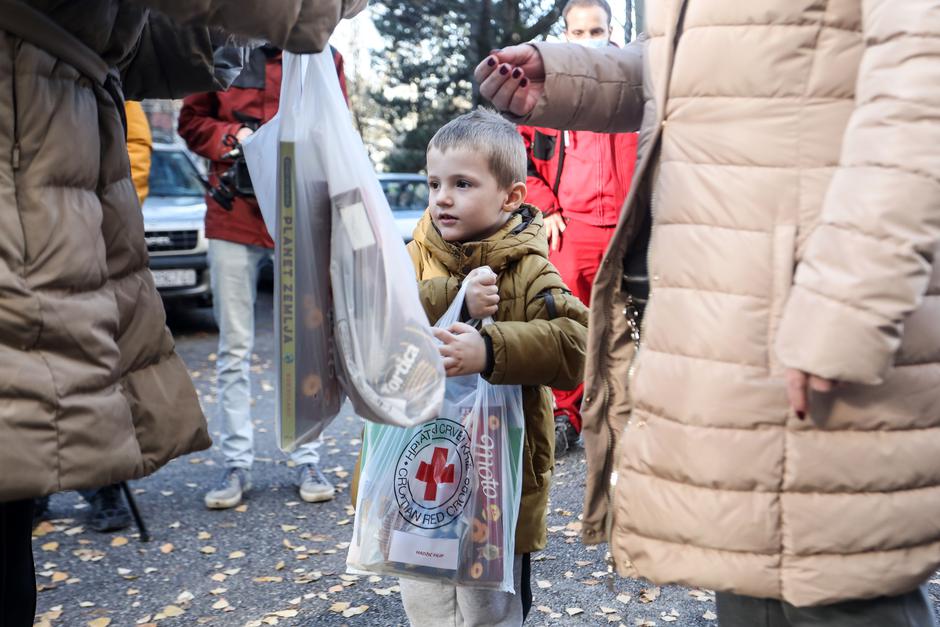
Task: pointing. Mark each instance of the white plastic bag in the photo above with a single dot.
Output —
(386, 356)
(295, 202)
(441, 501)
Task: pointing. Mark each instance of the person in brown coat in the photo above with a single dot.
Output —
(92, 390)
(777, 437)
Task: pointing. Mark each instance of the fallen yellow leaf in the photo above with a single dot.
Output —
(57, 577)
(286, 613)
(340, 606)
(241, 509)
(204, 535)
(119, 541)
(208, 550)
(172, 611)
(99, 622)
(50, 546)
(234, 555)
(221, 604)
(166, 548)
(355, 611)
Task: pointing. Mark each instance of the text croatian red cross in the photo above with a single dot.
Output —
(435, 473)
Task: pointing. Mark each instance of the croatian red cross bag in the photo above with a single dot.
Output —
(440, 501)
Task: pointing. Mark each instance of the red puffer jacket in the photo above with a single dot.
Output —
(584, 175)
(206, 119)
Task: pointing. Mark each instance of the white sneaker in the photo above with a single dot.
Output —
(235, 482)
(313, 486)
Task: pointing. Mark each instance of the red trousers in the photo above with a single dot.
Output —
(582, 248)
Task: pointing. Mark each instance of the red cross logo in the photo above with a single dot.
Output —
(435, 473)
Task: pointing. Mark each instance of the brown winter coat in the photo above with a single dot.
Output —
(91, 390)
(538, 336)
(789, 152)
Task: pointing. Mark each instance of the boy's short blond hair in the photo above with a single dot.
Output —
(489, 133)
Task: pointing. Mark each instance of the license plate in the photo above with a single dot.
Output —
(174, 278)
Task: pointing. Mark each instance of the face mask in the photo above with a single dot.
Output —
(591, 43)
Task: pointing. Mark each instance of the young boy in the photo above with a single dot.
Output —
(478, 230)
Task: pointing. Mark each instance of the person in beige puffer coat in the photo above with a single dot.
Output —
(91, 389)
(788, 155)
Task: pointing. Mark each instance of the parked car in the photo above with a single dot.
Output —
(174, 224)
(408, 197)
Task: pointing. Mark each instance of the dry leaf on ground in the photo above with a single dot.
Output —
(355, 611)
(650, 594)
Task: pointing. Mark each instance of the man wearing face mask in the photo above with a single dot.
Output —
(579, 180)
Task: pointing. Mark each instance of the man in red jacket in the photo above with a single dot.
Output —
(579, 180)
(239, 244)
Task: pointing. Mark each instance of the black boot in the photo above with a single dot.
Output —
(40, 509)
(108, 509)
(566, 437)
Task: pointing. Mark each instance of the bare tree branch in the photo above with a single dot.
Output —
(545, 22)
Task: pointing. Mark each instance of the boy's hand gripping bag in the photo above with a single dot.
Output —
(441, 501)
(386, 356)
(295, 202)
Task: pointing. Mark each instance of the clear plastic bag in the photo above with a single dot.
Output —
(386, 356)
(294, 198)
(441, 501)
(347, 297)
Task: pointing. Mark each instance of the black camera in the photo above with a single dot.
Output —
(235, 181)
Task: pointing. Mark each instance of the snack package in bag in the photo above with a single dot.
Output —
(294, 198)
(441, 501)
(386, 356)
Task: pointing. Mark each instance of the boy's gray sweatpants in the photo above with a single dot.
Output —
(436, 604)
(907, 610)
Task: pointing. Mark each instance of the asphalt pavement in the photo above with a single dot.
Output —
(279, 561)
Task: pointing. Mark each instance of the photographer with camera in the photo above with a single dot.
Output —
(213, 125)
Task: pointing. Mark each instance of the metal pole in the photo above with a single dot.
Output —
(640, 16)
(132, 503)
(628, 23)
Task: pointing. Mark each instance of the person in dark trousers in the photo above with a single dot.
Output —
(17, 573)
(93, 392)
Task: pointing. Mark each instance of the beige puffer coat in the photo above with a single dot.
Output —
(789, 150)
(91, 390)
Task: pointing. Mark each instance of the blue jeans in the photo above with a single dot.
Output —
(233, 271)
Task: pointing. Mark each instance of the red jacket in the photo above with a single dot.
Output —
(206, 119)
(584, 175)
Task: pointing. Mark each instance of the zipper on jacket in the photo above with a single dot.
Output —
(656, 148)
(15, 155)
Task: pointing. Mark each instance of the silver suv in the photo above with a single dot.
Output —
(174, 221)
